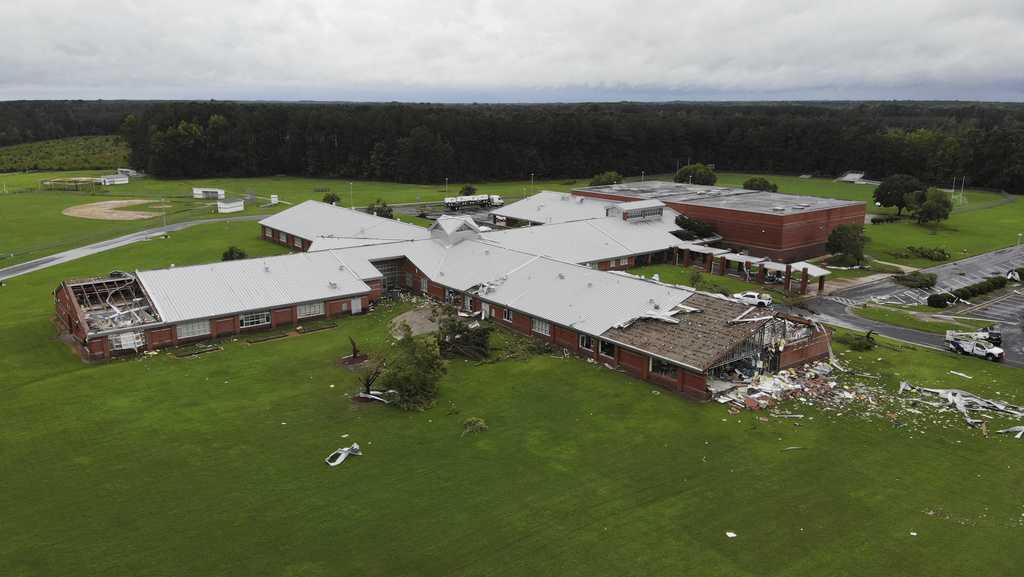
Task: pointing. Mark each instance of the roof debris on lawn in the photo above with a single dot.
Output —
(813, 384)
(965, 403)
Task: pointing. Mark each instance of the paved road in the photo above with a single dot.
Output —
(1007, 309)
(104, 245)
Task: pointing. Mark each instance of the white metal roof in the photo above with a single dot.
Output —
(225, 288)
(312, 219)
(590, 240)
(585, 299)
(548, 207)
(699, 248)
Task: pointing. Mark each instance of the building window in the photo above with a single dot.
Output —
(254, 319)
(193, 329)
(506, 314)
(586, 342)
(133, 340)
(663, 368)
(624, 261)
(297, 242)
(424, 285)
(542, 327)
(268, 233)
(408, 280)
(311, 310)
(282, 236)
(607, 349)
(344, 306)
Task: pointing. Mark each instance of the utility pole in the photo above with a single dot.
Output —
(163, 210)
(531, 183)
(446, 185)
(643, 175)
(351, 196)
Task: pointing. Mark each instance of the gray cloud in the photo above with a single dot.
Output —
(525, 50)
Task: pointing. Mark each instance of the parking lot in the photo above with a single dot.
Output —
(1007, 309)
(950, 277)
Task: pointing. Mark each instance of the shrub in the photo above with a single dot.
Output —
(698, 228)
(233, 253)
(760, 183)
(939, 301)
(467, 190)
(936, 254)
(696, 174)
(605, 178)
(885, 219)
(331, 198)
(857, 342)
(916, 279)
(474, 425)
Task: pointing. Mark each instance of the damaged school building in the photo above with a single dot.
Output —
(555, 282)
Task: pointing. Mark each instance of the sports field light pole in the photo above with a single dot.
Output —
(643, 175)
(446, 185)
(531, 183)
(351, 196)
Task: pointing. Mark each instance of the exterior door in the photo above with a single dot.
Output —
(357, 306)
(485, 310)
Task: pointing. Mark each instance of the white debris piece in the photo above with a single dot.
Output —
(959, 374)
(338, 457)
(730, 534)
(1018, 429)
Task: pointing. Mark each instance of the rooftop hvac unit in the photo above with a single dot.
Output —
(332, 284)
(779, 209)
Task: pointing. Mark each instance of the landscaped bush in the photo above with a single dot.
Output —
(939, 301)
(979, 288)
(857, 342)
(885, 219)
(916, 279)
(936, 254)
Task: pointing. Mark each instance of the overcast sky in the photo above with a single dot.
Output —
(522, 50)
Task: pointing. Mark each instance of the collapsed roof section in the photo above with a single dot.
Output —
(112, 304)
(700, 337)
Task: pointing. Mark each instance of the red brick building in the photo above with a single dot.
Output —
(782, 227)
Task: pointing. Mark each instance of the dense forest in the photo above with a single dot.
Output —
(24, 121)
(428, 142)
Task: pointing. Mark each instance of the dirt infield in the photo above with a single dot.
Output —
(107, 210)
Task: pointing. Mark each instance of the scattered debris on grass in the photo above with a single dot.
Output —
(338, 457)
(473, 425)
(963, 402)
(832, 389)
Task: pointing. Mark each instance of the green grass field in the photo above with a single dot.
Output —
(75, 153)
(906, 319)
(213, 465)
(35, 227)
(31, 219)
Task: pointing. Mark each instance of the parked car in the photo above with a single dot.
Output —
(753, 298)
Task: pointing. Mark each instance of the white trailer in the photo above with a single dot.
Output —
(226, 206)
(481, 200)
(208, 193)
(112, 179)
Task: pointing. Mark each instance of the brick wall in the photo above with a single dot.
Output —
(284, 316)
(162, 337)
(810, 349)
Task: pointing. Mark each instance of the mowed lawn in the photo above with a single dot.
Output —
(34, 226)
(213, 465)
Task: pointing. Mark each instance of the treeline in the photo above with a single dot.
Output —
(426, 143)
(24, 121)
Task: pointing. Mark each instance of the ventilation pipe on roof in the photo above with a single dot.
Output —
(561, 276)
(332, 284)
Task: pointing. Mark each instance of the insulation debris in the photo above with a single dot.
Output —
(965, 403)
(1010, 431)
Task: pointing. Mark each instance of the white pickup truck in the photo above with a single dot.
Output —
(753, 298)
(973, 347)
